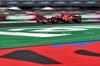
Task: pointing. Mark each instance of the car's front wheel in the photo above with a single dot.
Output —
(55, 20)
(77, 20)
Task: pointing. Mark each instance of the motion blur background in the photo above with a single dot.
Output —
(89, 9)
(57, 6)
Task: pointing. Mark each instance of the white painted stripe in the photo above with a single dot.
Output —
(31, 34)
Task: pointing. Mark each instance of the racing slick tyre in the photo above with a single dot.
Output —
(77, 20)
(54, 20)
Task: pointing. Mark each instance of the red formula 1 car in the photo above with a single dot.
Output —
(64, 18)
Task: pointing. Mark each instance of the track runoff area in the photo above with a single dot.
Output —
(50, 45)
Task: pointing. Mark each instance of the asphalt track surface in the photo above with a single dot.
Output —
(8, 25)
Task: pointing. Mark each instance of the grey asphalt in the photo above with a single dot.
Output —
(8, 25)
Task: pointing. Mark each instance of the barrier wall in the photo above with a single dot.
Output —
(23, 17)
(18, 17)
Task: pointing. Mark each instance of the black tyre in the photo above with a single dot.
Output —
(53, 21)
(77, 20)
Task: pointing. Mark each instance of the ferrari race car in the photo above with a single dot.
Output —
(63, 18)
